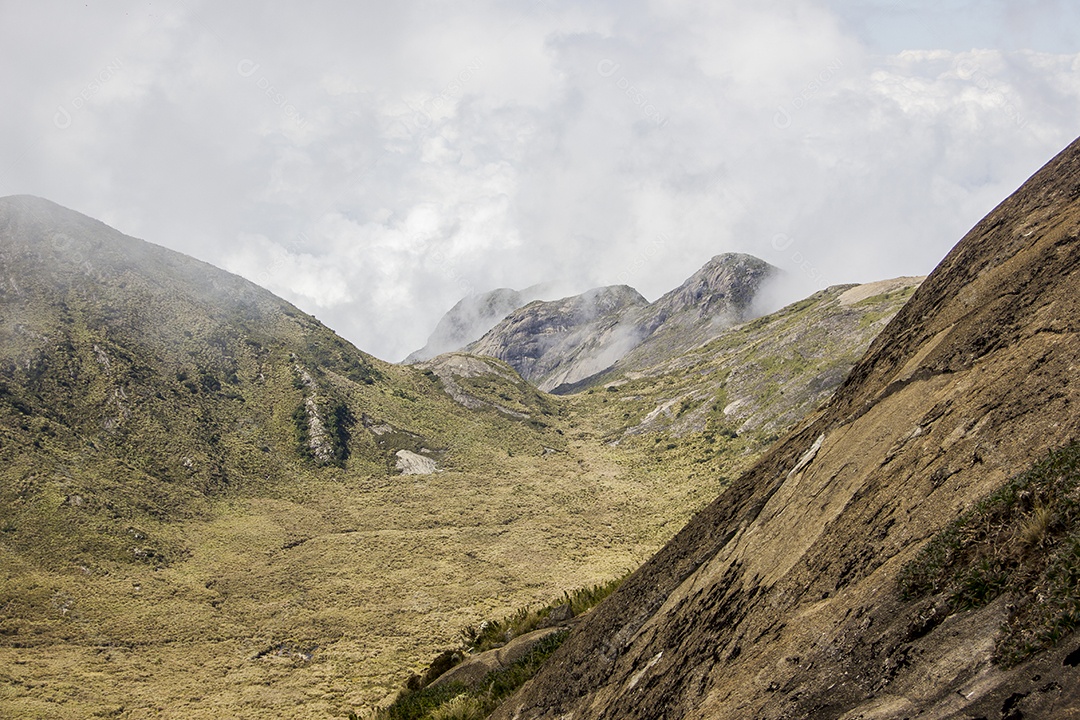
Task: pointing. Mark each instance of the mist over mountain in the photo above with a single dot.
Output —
(467, 321)
(473, 316)
(574, 337)
(208, 481)
(197, 382)
(371, 168)
(213, 506)
(726, 291)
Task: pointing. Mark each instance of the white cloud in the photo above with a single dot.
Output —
(299, 276)
(374, 163)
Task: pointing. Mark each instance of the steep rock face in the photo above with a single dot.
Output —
(562, 345)
(781, 599)
(550, 343)
(468, 320)
(724, 285)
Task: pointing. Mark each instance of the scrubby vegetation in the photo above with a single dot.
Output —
(457, 701)
(493, 634)
(1023, 540)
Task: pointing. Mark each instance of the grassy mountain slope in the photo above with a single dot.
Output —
(705, 416)
(797, 592)
(755, 379)
(120, 358)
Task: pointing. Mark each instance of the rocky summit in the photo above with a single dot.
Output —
(566, 345)
(560, 341)
(910, 550)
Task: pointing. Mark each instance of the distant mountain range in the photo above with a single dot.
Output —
(563, 345)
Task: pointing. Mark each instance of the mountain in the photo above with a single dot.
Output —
(719, 295)
(754, 379)
(213, 506)
(560, 345)
(550, 342)
(908, 550)
(468, 320)
(124, 352)
(704, 416)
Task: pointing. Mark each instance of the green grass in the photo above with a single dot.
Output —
(495, 633)
(872, 317)
(1024, 540)
(900, 294)
(459, 702)
(455, 700)
(156, 500)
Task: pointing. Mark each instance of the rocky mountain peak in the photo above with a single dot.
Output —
(560, 345)
(727, 283)
(583, 332)
(595, 303)
(721, 294)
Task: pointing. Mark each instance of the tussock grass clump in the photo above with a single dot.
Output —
(495, 633)
(461, 707)
(1023, 539)
(418, 704)
(455, 701)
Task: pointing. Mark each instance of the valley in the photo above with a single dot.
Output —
(202, 512)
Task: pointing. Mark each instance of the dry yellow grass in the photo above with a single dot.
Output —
(320, 603)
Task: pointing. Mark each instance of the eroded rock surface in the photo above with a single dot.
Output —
(410, 463)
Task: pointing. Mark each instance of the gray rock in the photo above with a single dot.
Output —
(565, 345)
(410, 463)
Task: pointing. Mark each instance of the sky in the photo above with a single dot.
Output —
(375, 162)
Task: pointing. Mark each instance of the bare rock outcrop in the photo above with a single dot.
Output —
(559, 341)
(475, 668)
(468, 320)
(560, 345)
(410, 463)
